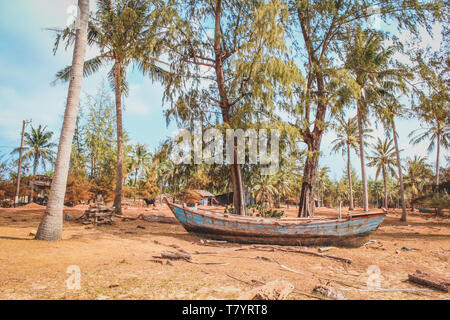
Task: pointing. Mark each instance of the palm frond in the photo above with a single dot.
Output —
(91, 66)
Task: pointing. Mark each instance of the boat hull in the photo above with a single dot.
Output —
(351, 231)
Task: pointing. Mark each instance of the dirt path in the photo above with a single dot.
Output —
(114, 261)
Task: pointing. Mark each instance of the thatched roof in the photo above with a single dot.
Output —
(204, 193)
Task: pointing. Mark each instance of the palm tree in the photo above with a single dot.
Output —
(167, 173)
(418, 174)
(322, 178)
(384, 158)
(376, 190)
(50, 228)
(139, 159)
(264, 189)
(347, 139)
(438, 133)
(125, 31)
(38, 147)
(399, 169)
(282, 184)
(367, 60)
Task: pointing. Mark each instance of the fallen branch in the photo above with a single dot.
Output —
(125, 217)
(289, 269)
(205, 242)
(419, 292)
(222, 251)
(305, 252)
(210, 263)
(176, 255)
(325, 249)
(156, 218)
(156, 261)
(429, 281)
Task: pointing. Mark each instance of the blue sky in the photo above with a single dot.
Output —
(28, 66)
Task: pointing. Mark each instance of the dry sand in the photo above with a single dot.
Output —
(115, 260)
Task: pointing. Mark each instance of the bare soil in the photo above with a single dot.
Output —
(115, 261)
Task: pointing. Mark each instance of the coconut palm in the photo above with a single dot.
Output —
(50, 227)
(140, 157)
(376, 190)
(438, 133)
(38, 147)
(347, 139)
(384, 159)
(264, 189)
(167, 174)
(322, 178)
(125, 31)
(418, 174)
(3, 167)
(283, 186)
(367, 60)
(388, 107)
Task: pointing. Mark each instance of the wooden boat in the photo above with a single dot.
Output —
(351, 230)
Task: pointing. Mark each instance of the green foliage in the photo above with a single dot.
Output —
(383, 158)
(268, 213)
(38, 147)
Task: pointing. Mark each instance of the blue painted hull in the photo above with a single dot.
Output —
(349, 231)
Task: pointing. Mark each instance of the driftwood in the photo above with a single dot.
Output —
(210, 263)
(183, 255)
(430, 281)
(156, 218)
(272, 248)
(158, 260)
(297, 250)
(212, 242)
(325, 249)
(124, 218)
(176, 255)
(222, 251)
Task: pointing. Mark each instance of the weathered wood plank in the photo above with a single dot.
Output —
(430, 281)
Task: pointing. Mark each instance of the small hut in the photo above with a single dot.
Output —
(206, 198)
(40, 187)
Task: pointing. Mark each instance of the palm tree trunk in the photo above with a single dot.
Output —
(119, 168)
(385, 187)
(135, 183)
(349, 174)
(50, 228)
(35, 164)
(362, 158)
(438, 137)
(400, 174)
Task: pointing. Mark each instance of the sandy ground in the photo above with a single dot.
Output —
(115, 261)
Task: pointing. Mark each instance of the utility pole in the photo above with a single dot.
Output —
(16, 196)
